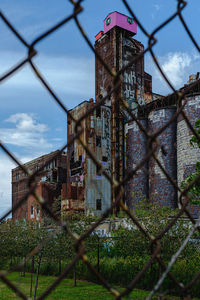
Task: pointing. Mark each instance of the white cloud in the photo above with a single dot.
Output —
(177, 66)
(157, 7)
(5, 188)
(69, 75)
(28, 132)
(25, 122)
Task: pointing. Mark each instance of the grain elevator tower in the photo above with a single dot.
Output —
(117, 48)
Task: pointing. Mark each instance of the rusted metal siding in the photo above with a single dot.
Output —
(85, 185)
(76, 159)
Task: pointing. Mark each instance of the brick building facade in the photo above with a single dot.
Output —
(49, 179)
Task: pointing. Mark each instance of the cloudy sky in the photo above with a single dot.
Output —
(31, 124)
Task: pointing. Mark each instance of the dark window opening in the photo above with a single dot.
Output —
(98, 170)
(74, 192)
(31, 210)
(38, 209)
(76, 171)
(104, 158)
(98, 112)
(98, 141)
(108, 91)
(98, 204)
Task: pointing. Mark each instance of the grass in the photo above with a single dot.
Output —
(65, 290)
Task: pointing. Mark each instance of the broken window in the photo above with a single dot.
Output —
(98, 170)
(31, 210)
(98, 112)
(98, 141)
(98, 204)
(108, 91)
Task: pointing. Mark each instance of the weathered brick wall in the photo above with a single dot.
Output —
(136, 149)
(160, 188)
(187, 156)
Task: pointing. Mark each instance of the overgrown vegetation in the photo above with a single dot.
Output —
(118, 257)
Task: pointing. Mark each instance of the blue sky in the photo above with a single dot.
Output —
(31, 124)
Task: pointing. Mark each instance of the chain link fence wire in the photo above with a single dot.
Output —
(117, 186)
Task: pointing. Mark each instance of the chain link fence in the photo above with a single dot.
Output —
(117, 186)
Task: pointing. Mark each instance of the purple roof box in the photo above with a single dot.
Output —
(120, 20)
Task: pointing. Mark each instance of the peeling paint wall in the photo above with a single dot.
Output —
(87, 189)
(98, 188)
(76, 157)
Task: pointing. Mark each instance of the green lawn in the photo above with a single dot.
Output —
(83, 291)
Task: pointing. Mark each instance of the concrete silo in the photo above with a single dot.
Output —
(160, 188)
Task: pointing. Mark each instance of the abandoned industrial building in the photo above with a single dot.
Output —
(117, 142)
(50, 180)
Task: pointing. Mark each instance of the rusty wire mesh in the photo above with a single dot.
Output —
(154, 241)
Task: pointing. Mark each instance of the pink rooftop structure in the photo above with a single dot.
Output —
(120, 20)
